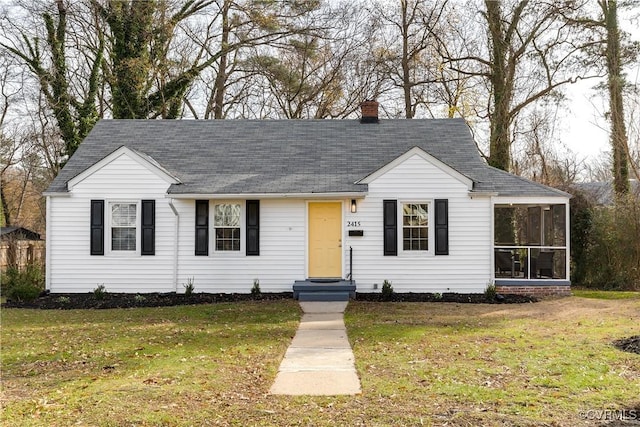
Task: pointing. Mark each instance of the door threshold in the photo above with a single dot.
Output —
(325, 279)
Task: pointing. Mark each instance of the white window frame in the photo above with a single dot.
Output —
(430, 229)
(241, 226)
(109, 223)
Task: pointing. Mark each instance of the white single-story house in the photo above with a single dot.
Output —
(150, 205)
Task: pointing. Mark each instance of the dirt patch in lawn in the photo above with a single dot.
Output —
(631, 344)
(564, 309)
(127, 300)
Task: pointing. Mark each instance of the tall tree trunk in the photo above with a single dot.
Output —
(5, 207)
(406, 76)
(56, 37)
(221, 78)
(619, 143)
(132, 29)
(499, 139)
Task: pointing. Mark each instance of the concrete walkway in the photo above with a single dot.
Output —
(319, 360)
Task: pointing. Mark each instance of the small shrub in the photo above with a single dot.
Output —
(255, 290)
(490, 292)
(23, 285)
(189, 287)
(612, 250)
(100, 292)
(23, 292)
(63, 299)
(139, 298)
(387, 290)
(437, 296)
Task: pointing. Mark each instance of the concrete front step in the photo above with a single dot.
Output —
(324, 291)
(323, 296)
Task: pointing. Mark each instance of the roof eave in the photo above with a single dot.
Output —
(242, 196)
(56, 194)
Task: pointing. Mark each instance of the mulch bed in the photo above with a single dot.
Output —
(447, 297)
(631, 344)
(126, 300)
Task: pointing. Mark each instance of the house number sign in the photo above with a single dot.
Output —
(353, 224)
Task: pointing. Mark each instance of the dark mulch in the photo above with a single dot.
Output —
(122, 300)
(631, 344)
(447, 297)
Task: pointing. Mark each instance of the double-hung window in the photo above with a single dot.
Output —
(415, 226)
(227, 222)
(123, 226)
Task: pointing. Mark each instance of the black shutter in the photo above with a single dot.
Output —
(253, 227)
(202, 227)
(442, 226)
(97, 227)
(148, 227)
(390, 209)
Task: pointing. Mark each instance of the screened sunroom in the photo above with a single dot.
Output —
(530, 244)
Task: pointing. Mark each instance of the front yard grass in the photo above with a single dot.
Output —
(597, 294)
(419, 363)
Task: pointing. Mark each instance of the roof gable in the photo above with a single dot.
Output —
(142, 159)
(417, 151)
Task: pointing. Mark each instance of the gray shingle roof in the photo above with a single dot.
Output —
(18, 233)
(601, 193)
(289, 156)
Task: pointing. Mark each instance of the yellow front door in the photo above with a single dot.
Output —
(325, 239)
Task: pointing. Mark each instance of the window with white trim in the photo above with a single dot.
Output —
(227, 221)
(415, 226)
(123, 226)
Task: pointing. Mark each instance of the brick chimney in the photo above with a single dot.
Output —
(369, 111)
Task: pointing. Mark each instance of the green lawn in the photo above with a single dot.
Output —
(590, 293)
(419, 363)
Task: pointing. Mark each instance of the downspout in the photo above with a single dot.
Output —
(567, 240)
(492, 243)
(176, 229)
(47, 248)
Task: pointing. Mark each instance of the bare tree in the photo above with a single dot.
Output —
(543, 158)
(615, 82)
(531, 53)
(633, 118)
(325, 74)
(230, 33)
(615, 51)
(407, 47)
(9, 144)
(140, 74)
(73, 105)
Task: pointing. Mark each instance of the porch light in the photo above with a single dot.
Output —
(354, 206)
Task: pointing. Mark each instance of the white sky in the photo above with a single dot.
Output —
(585, 131)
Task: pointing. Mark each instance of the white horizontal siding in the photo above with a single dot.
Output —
(465, 269)
(283, 228)
(73, 269)
(282, 251)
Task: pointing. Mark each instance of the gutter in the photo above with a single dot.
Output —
(474, 194)
(47, 245)
(243, 196)
(56, 194)
(175, 243)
